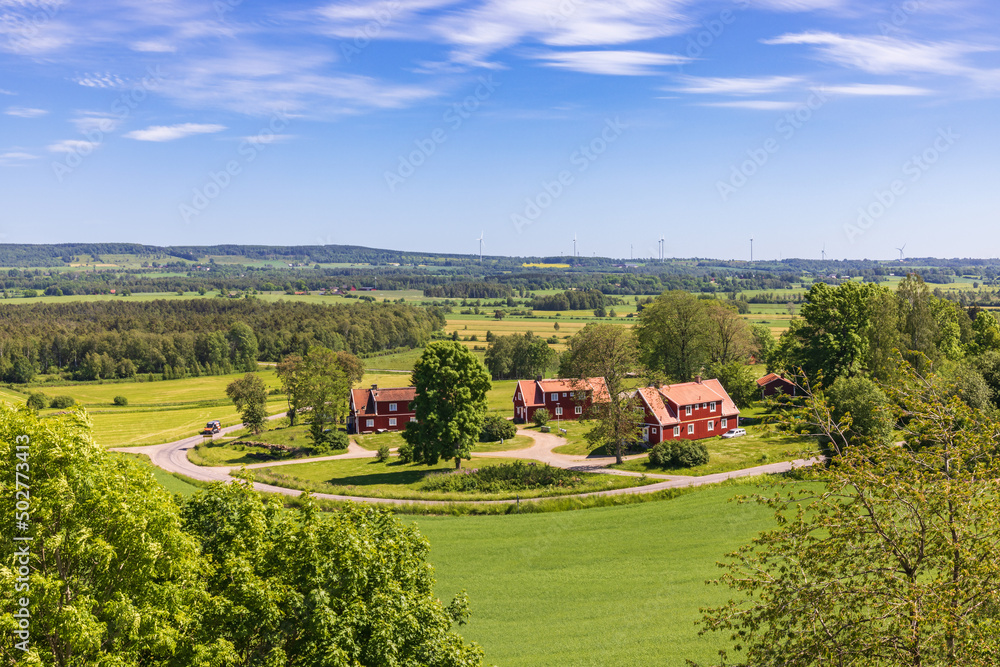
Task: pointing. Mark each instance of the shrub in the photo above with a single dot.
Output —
(541, 417)
(405, 453)
(120, 400)
(37, 400)
(496, 428)
(62, 402)
(332, 439)
(678, 454)
(383, 454)
(516, 476)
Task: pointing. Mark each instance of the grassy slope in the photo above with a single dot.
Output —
(606, 586)
(187, 390)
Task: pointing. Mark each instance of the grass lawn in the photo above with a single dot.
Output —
(392, 479)
(11, 396)
(757, 447)
(373, 441)
(157, 393)
(509, 445)
(222, 451)
(605, 586)
(576, 444)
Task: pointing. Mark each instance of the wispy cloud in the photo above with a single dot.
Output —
(265, 138)
(16, 158)
(737, 86)
(622, 63)
(72, 146)
(25, 112)
(100, 121)
(877, 89)
(7, 92)
(172, 132)
(100, 80)
(153, 46)
(755, 105)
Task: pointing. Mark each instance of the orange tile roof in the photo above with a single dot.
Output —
(660, 409)
(770, 377)
(706, 391)
(395, 394)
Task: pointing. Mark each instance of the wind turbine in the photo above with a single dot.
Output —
(574, 245)
(480, 239)
(661, 244)
(823, 252)
(751, 249)
(901, 252)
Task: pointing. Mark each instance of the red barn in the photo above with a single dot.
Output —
(564, 399)
(377, 409)
(689, 411)
(772, 384)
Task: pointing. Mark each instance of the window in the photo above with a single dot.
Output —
(392, 407)
(555, 397)
(392, 421)
(677, 430)
(704, 405)
(711, 425)
(413, 419)
(370, 423)
(564, 394)
(578, 410)
(690, 429)
(724, 423)
(653, 429)
(711, 406)
(688, 409)
(558, 412)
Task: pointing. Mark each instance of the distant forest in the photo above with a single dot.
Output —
(120, 339)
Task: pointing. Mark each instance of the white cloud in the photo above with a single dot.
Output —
(755, 105)
(268, 138)
(798, 5)
(72, 146)
(25, 112)
(96, 121)
(172, 132)
(624, 63)
(886, 55)
(16, 158)
(99, 80)
(876, 89)
(737, 86)
(153, 46)
(6, 92)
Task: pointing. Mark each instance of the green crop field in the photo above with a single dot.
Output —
(159, 393)
(599, 587)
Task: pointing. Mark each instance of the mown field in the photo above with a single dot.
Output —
(599, 587)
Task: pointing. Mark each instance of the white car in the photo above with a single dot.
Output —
(734, 433)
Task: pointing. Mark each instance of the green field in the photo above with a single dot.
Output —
(224, 451)
(600, 587)
(393, 479)
(158, 393)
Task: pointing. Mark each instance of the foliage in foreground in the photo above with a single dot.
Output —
(678, 454)
(514, 476)
(893, 562)
(119, 574)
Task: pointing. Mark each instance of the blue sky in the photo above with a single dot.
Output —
(850, 125)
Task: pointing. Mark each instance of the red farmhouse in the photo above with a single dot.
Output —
(772, 384)
(689, 411)
(564, 399)
(377, 409)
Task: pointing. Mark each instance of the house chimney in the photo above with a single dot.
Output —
(374, 387)
(538, 378)
(697, 378)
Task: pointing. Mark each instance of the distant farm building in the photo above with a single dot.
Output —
(686, 411)
(375, 410)
(564, 399)
(772, 384)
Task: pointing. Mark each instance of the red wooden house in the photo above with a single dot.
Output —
(689, 411)
(375, 409)
(772, 384)
(564, 399)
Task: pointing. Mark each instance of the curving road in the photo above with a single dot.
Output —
(172, 457)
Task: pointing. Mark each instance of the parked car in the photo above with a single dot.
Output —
(212, 427)
(734, 433)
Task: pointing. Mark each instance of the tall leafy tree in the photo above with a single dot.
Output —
(608, 351)
(322, 390)
(672, 335)
(243, 343)
(728, 336)
(289, 372)
(888, 558)
(450, 405)
(518, 356)
(249, 395)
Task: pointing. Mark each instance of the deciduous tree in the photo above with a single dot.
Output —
(249, 395)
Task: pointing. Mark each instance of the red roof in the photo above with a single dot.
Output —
(363, 400)
(395, 394)
(769, 378)
(662, 410)
(532, 391)
(666, 401)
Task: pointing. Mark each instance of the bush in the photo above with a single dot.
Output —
(496, 428)
(332, 439)
(541, 417)
(678, 454)
(516, 476)
(870, 413)
(62, 402)
(383, 454)
(120, 400)
(37, 400)
(405, 452)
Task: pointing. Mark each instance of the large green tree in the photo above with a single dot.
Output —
(518, 356)
(249, 395)
(608, 351)
(321, 390)
(450, 405)
(672, 335)
(888, 558)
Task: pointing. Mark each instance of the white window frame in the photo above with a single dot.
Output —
(711, 425)
(677, 431)
(653, 429)
(724, 423)
(558, 412)
(369, 423)
(704, 405)
(578, 410)
(711, 406)
(564, 394)
(688, 409)
(392, 421)
(555, 397)
(690, 429)
(392, 407)
(413, 419)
